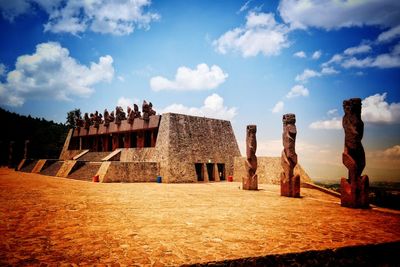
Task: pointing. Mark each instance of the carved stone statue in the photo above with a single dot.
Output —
(290, 183)
(98, 119)
(151, 110)
(107, 118)
(250, 182)
(133, 114)
(79, 122)
(87, 121)
(354, 189)
(119, 115)
(146, 110)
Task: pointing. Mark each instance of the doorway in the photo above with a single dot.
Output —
(210, 171)
(221, 171)
(199, 171)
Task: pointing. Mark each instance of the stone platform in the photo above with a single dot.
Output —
(53, 220)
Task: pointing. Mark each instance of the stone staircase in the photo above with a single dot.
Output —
(93, 156)
(28, 167)
(52, 169)
(85, 171)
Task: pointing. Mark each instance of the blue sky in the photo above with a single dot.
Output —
(245, 61)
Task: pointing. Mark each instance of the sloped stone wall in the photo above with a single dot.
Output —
(269, 170)
(185, 140)
(130, 172)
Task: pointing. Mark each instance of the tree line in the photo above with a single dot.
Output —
(46, 138)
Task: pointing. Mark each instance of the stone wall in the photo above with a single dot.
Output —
(185, 140)
(268, 171)
(130, 172)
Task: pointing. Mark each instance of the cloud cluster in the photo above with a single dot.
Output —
(327, 14)
(300, 54)
(298, 90)
(52, 73)
(261, 34)
(213, 107)
(331, 124)
(308, 74)
(102, 16)
(375, 109)
(278, 107)
(201, 78)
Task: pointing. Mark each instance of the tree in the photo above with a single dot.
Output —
(72, 116)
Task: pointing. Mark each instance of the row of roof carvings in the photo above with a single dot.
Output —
(97, 118)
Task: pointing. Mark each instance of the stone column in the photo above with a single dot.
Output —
(355, 189)
(250, 182)
(290, 183)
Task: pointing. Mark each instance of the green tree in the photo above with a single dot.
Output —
(72, 116)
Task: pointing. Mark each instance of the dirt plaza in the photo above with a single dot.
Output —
(48, 220)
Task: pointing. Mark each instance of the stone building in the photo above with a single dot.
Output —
(179, 148)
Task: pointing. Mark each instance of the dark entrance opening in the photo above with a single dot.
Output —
(199, 171)
(109, 143)
(133, 139)
(147, 139)
(221, 171)
(121, 140)
(210, 171)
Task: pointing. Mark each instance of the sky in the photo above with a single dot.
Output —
(249, 62)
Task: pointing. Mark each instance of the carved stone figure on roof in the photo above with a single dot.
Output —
(146, 110)
(151, 111)
(290, 183)
(97, 119)
(354, 189)
(79, 122)
(87, 121)
(133, 114)
(119, 115)
(250, 182)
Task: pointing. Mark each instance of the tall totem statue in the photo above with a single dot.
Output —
(354, 189)
(290, 183)
(250, 182)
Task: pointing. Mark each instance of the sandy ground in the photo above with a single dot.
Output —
(55, 220)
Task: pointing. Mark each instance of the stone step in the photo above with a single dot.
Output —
(52, 169)
(29, 166)
(86, 171)
(94, 156)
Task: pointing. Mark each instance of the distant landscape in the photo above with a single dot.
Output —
(382, 194)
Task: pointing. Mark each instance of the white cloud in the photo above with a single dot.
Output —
(317, 54)
(261, 34)
(213, 108)
(201, 78)
(382, 61)
(2, 69)
(51, 73)
(329, 70)
(278, 107)
(298, 90)
(391, 153)
(389, 35)
(363, 48)
(332, 112)
(329, 14)
(102, 16)
(375, 109)
(12, 9)
(332, 124)
(300, 54)
(337, 58)
(124, 102)
(121, 78)
(244, 7)
(307, 74)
